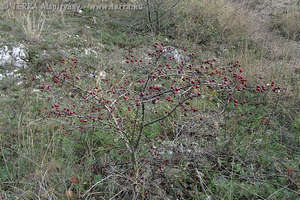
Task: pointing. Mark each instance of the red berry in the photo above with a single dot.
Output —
(273, 83)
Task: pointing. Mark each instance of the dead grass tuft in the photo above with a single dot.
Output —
(33, 25)
(216, 19)
(288, 22)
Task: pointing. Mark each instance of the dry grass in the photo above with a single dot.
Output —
(32, 25)
(7, 8)
(260, 70)
(231, 22)
(288, 22)
(33, 22)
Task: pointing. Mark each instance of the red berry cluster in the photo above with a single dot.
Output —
(162, 87)
(146, 94)
(149, 92)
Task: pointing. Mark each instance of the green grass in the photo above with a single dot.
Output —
(248, 155)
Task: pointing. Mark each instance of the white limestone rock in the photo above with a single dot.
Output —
(16, 57)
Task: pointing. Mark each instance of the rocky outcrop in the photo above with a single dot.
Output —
(14, 57)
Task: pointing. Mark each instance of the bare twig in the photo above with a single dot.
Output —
(96, 185)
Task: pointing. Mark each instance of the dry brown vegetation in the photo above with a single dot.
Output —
(246, 151)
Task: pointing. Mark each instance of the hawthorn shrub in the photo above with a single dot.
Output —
(130, 105)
